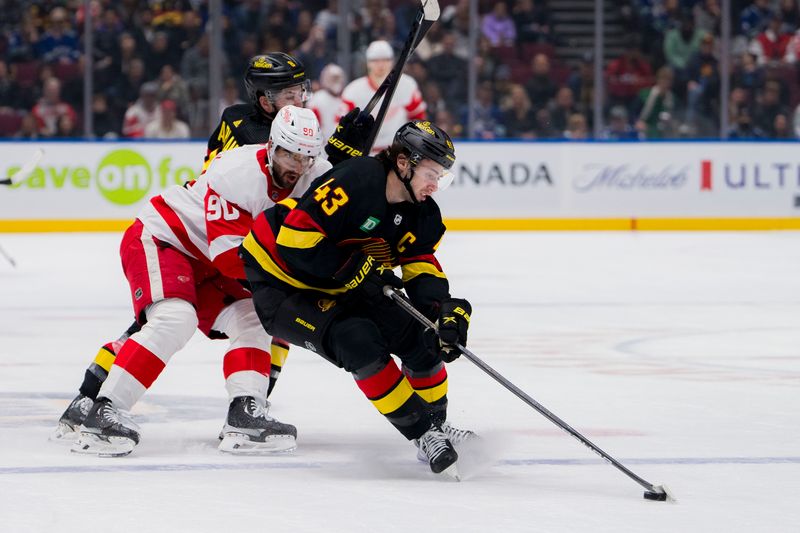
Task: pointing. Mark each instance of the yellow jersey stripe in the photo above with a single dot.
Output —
(265, 261)
(412, 270)
(292, 238)
(395, 399)
(104, 359)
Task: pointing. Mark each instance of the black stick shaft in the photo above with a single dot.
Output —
(519, 393)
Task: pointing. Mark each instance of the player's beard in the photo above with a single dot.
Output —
(285, 179)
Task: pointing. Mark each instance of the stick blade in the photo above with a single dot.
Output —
(29, 166)
(431, 9)
(660, 493)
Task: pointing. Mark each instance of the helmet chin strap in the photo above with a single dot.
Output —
(407, 181)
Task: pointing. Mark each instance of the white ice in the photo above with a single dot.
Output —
(677, 353)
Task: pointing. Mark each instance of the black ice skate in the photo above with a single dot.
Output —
(439, 452)
(249, 430)
(107, 432)
(456, 436)
(69, 425)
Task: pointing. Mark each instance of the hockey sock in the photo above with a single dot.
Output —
(279, 351)
(431, 386)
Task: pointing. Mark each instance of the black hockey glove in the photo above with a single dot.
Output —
(365, 277)
(350, 137)
(454, 315)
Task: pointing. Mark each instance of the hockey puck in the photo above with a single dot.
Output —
(656, 496)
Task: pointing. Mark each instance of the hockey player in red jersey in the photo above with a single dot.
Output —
(407, 103)
(318, 270)
(181, 260)
(273, 81)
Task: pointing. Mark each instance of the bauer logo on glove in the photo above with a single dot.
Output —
(350, 136)
(453, 323)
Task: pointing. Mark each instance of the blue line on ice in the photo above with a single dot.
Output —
(177, 467)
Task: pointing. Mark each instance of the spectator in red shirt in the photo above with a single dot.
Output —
(627, 75)
(49, 110)
(770, 45)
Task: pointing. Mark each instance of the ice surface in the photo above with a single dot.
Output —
(677, 353)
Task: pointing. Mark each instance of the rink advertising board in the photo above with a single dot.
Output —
(498, 185)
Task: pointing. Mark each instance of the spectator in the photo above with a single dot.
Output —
(658, 107)
(407, 103)
(681, 43)
(327, 101)
(540, 86)
(195, 64)
(577, 128)
(66, 128)
(544, 125)
(9, 90)
(628, 75)
(143, 112)
(769, 105)
(449, 71)
(172, 87)
(581, 81)
(58, 44)
(161, 53)
(445, 120)
(29, 129)
(434, 101)
(562, 108)
(702, 90)
(230, 95)
(780, 127)
(167, 126)
(498, 27)
(790, 13)
(126, 91)
(315, 52)
(532, 22)
(50, 108)
(770, 45)
(743, 127)
(328, 18)
(708, 16)
(520, 117)
(488, 118)
(749, 76)
(105, 123)
(619, 127)
(753, 19)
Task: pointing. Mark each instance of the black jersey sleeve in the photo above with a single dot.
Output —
(423, 277)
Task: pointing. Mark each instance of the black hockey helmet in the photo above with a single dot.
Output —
(266, 74)
(425, 140)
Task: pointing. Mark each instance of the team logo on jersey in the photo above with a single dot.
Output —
(138, 293)
(370, 224)
(398, 219)
(325, 304)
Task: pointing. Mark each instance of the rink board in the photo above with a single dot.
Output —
(498, 185)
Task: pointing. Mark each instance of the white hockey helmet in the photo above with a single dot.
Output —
(296, 130)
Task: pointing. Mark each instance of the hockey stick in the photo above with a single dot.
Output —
(25, 170)
(8, 257)
(652, 492)
(427, 14)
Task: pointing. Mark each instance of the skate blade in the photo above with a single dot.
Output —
(451, 472)
(64, 434)
(240, 444)
(91, 444)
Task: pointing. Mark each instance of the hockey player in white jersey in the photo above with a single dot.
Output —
(180, 257)
(406, 105)
(326, 103)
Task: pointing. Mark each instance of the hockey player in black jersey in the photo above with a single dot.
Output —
(318, 269)
(272, 81)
